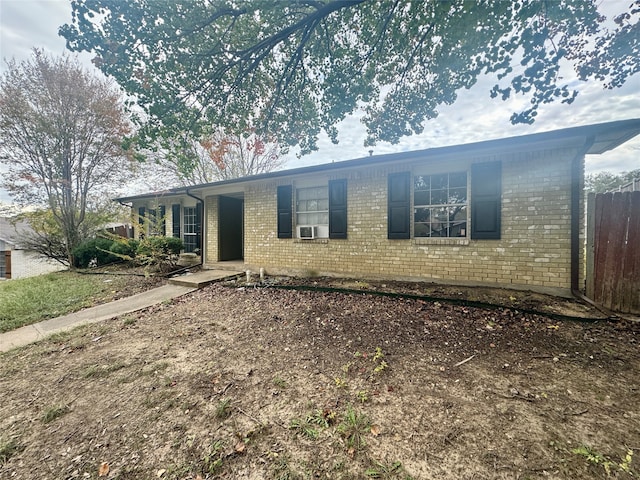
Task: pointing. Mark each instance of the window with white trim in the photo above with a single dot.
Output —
(190, 235)
(440, 205)
(312, 209)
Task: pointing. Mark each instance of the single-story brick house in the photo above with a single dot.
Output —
(507, 212)
(17, 261)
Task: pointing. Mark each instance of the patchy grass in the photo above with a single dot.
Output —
(53, 412)
(279, 382)
(29, 300)
(353, 429)
(170, 397)
(98, 371)
(223, 409)
(8, 448)
(311, 424)
(384, 471)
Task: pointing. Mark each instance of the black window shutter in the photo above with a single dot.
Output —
(198, 225)
(163, 220)
(175, 220)
(399, 206)
(338, 208)
(153, 221)
(486, 200)
(285, 213)
(141, 213)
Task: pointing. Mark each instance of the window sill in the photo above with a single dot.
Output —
(440, 241)
(311, 240)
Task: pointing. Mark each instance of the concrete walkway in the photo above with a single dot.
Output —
(37, 331)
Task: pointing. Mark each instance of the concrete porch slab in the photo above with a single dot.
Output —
(204, 277)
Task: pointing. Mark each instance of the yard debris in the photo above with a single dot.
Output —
(103, 469)
(465, 360)
(515, 394)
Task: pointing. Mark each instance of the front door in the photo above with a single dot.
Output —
(231, 234)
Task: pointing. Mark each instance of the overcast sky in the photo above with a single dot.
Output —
(25, 24)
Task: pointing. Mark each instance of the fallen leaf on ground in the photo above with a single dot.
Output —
(103, 469)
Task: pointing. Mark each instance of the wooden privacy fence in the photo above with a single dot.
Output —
(613, 250)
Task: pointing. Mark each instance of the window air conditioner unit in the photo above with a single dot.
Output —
(307, 232)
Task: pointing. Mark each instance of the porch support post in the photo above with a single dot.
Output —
(576, 195)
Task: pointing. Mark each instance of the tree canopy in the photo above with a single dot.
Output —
(213, 157)
(294, 68)
(602, 182)
(221, 156)
(61, 137)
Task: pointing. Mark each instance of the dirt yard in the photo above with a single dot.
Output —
(268, 383)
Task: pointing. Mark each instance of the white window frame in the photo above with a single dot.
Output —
(441, 202)
(313, 208)
(189, 229)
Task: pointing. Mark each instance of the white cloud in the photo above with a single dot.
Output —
(26, 24)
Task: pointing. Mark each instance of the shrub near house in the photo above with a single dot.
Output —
(152, 251)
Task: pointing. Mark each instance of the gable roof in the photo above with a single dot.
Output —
(596, 139)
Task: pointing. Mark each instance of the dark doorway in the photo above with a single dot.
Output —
(230, 234)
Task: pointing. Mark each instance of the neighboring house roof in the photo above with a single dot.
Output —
(10, 233)
(115, 225)
(593, 139)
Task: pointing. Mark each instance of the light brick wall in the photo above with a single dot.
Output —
(211, 229)
(168, 221)
(534, 249)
